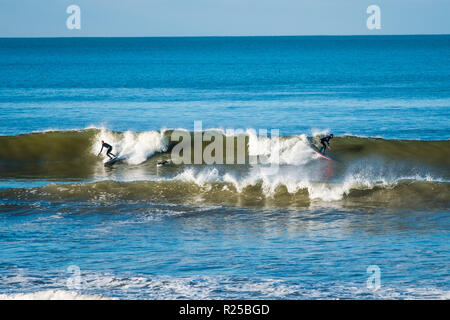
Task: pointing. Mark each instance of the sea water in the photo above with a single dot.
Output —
(373, 223)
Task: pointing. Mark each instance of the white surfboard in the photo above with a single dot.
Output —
(113, 161)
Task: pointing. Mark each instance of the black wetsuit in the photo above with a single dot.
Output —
(325, 141)
(108, 150)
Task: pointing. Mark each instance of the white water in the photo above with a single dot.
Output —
(134, 147)
(289, 162)
(51, 295)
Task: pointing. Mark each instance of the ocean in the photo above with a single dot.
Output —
(372, 223)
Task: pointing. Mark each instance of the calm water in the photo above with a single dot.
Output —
(70, 227)
(395, 87)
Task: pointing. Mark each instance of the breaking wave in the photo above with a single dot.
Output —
(138, 147)
(368, 172)
(191, 190)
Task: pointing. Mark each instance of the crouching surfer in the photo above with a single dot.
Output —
(325, 143)
(108, 150)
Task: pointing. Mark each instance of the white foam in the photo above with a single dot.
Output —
(52, 295)
(293, 150)
(295, 179)
(200, 178)
(319, 132)
(221, 287)
(134, 147)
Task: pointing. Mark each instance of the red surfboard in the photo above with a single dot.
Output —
(316, 150)
(323, 156)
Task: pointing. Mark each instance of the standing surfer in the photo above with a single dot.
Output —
(108, 150)
(325, 143)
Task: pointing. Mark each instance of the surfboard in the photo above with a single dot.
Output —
(113, 161)
(316, 150)
(323, 156)
(163, 163)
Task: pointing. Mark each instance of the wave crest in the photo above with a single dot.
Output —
(426, 195)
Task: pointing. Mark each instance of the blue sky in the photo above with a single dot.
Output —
(109, 18)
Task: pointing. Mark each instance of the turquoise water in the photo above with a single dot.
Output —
(310, 230)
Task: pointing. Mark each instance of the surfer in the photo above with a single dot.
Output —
(108, 150)
(325, 143)
(163, 163)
